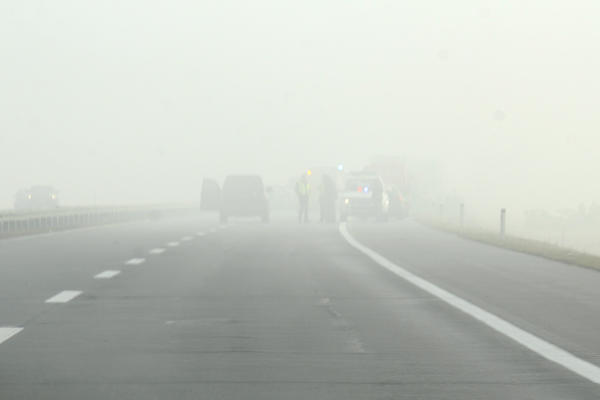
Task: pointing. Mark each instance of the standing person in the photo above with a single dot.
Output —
(303, 192)
(327, 197)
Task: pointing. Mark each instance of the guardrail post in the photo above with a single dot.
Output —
(503, 221)
(462, 214)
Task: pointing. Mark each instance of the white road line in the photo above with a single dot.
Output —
(6, 332)
(135, 261)
(200, 234)
(212, 230)
(532, 342)
(64, 297)
(186, 238)
(173, 244)
(158, 250)
(110, 273)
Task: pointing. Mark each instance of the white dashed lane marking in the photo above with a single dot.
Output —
(135, 261)
(158, 250)
(107, 274)
(64, 297)
(173, 244)
(186, 238)
(200, 234)
(6, 332)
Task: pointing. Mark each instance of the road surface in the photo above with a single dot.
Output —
(188, 309)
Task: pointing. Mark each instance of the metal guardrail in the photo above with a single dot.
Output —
(37, 221)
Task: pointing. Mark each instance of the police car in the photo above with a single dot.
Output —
(364, 196)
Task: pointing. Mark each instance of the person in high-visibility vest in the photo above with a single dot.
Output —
(303, 192)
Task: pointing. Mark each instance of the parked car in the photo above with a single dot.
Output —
(36, 198)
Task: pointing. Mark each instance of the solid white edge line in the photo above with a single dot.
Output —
(6, 332)
(532, 342)
(108, 274)
(64, 297)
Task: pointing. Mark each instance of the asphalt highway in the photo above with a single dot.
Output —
(189, 309)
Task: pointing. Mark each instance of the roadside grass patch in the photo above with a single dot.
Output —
(528, 246)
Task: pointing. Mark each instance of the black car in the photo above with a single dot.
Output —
(244, 196)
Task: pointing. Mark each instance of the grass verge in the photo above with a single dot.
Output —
(528, 246)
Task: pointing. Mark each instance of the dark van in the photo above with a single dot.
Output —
(244, 196)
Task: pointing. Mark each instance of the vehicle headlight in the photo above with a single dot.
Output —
(346, 201)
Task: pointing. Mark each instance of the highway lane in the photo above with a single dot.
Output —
(553, 300)
(36, 267)
(257, 311)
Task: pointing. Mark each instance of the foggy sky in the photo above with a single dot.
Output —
(135, 101)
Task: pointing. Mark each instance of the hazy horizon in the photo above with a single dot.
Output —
(137, 101)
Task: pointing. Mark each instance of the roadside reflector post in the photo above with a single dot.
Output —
(441, 212)
(462, 214)
(502, 221)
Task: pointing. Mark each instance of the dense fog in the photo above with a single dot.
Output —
(125, 102)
